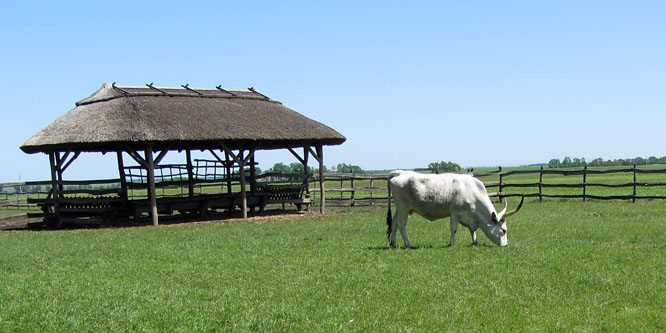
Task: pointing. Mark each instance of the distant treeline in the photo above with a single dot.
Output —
(568, 162)
(297, 168)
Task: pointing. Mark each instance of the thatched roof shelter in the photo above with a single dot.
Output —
(127, 120)
(178, 118)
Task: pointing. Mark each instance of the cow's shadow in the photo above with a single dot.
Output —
(425, 247)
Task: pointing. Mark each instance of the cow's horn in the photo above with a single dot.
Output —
(515, 210)
(501, 214)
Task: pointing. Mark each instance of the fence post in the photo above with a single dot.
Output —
(584, 182)
(633, 197)
(353, 188)
(500, 184)
(371, 191)
(540, 183)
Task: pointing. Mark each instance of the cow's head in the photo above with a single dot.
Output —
(497, 227)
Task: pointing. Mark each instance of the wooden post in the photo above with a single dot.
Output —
(190, 173)
(500, 184)
(253, 175)
(353, 194)
(121, 174)
(54, 186)
(584, 183)
(633, 197)
(151, 184)
(306, 181)
(253, 179)
(241, 168)
(322, 191)
(59, 161)
(540, 184)
(241, 160)
(228, 169)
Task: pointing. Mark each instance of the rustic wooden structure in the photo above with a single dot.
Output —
(148, 122)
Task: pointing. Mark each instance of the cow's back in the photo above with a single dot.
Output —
(433, 196)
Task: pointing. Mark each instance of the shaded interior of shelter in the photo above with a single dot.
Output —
(198, 189)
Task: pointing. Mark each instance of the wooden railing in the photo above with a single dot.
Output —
(583, 184)
(350, 189)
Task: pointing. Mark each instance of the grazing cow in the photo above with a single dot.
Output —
(462, 197)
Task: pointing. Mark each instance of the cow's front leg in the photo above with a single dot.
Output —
(454, 229)
(474, 241)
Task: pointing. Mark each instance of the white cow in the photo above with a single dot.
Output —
(462, 197)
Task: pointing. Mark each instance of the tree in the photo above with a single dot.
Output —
(566, 162)
(348, 168)
(279, 168)
(437, 167)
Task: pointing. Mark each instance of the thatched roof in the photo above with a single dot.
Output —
(178, 118)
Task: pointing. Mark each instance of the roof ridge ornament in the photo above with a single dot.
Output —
(113, 85)
(187, 86)
(224, 90)
(150, 85)
(258, 93)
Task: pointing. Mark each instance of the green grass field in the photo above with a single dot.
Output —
(593, 266)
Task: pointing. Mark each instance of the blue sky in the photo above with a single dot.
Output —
(408, 83)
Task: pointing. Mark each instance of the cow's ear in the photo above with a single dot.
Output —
(493, 217)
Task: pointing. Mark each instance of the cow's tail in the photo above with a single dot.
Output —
(389, 221)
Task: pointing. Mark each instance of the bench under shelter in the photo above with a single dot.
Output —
(143, 124)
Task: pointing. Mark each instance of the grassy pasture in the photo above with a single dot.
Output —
(593, 266)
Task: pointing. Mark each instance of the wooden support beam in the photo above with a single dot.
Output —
(306, 156)
(121, 174)
(161, 155)
(314, 154)
(217, 157)
(64, 167)
(253, 175)
(241, 160)
(137, 158)
(241, 166)
(300, 159)
(228, 170)
(241, 171)
(53, 164)
(322, 191)
(61, 159)
(190, 173)
(151, 185)
(59, 162)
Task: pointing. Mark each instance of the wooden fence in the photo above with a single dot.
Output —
(583, 185)
(352, 189)
(349, 189)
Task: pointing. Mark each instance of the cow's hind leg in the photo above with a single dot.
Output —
(394, 227)
(400, 222)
